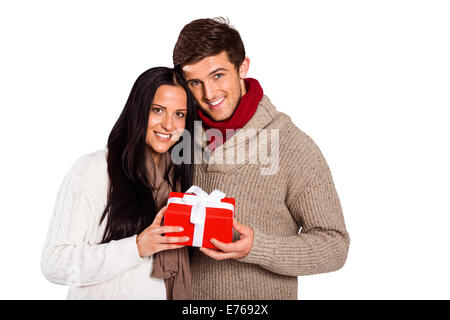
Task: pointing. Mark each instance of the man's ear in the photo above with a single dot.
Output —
(243, 69)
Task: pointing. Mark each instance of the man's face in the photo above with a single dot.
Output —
(216, 84)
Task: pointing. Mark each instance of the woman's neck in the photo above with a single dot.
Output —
(155, 155)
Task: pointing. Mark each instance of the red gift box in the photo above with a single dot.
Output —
(212, 216)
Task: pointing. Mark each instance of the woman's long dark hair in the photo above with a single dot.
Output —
(130, 206)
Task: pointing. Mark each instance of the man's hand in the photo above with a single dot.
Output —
(233, 250)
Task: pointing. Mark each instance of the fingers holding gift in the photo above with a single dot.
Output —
(174, 239)
(159, 216)
(243, 230)
(225, 247)
(151, 241)
(218, 255)
(166, 229)
(170, 246)
(235, 250)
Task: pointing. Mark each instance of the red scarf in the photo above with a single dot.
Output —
(243, 113)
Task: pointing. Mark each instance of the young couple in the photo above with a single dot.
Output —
(106, 238)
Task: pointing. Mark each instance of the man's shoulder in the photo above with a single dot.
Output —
(281, 120)
(291, 137)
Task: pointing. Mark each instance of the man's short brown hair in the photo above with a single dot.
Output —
(208, 37)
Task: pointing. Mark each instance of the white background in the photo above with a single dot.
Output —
(369, 81)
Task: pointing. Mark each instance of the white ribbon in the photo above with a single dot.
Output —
(199, 201)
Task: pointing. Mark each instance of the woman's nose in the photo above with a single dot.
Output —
(167, 123)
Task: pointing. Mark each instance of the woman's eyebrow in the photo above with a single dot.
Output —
(155, 104)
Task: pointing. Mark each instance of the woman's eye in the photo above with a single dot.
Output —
(157, 110)
(180, 114)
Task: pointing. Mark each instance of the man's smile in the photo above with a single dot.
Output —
(215, 103)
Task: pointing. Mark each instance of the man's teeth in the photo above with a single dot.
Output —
(163, 135)
(215, 103)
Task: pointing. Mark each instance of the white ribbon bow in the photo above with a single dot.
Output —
(200, 200)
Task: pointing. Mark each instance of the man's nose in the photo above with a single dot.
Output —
(208, 92)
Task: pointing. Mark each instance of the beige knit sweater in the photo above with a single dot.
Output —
(299, 196)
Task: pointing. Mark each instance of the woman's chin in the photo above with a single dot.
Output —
(159, 149)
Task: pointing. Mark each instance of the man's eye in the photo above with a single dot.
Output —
(194, 83)
(218, 75)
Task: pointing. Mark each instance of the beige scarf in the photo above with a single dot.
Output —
(171, 265)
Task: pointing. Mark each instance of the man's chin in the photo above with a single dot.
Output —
(216, 115)
(213, 115)
(219, 118)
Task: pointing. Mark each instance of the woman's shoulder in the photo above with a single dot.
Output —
(90, 161)
(90, 168)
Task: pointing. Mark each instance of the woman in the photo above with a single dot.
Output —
(105, 239)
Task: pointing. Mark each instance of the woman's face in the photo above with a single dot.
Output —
(167, 119)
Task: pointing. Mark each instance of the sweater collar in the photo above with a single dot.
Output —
(263, 117)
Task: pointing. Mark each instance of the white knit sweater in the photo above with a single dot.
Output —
(72, 254)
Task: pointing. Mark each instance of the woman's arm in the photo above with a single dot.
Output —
(69, 256)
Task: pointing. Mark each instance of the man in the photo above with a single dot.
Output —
(297, 194)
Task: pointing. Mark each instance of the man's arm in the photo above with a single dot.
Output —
(321, 246)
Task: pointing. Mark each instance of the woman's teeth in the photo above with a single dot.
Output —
(165, 136)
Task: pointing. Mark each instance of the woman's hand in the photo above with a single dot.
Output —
(150, 241)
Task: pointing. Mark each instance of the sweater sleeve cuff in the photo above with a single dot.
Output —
(262, 249)
(128, 251)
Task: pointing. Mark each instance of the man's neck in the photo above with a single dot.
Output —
(243, 88)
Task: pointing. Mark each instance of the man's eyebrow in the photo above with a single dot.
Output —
(217, 70)
(210, 74)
